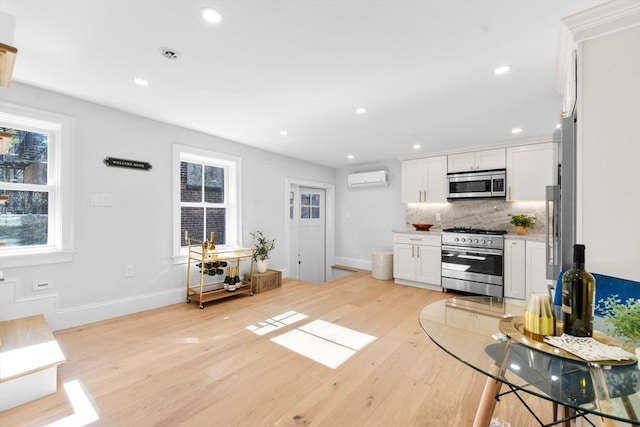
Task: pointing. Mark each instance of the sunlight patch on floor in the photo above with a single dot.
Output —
(276, 322)
(84, 412)
(325, 343)
(24, 359)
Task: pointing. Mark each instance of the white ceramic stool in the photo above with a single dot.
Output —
(382, 265)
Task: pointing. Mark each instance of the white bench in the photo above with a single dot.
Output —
(29, 359)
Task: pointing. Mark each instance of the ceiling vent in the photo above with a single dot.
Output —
(368, 179)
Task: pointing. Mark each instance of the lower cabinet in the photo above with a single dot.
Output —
(524, 268)
(416, 260)
(514, 268)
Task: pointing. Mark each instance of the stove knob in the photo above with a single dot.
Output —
(490, 242)
(475, 241)
(463, 240)
(483, 241)
(456, 239)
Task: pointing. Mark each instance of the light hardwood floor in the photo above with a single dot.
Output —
(182, 366)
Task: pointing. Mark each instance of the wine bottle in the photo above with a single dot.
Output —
(578, 294)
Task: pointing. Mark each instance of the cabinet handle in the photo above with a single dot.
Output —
(419, 195)
(509, 192)
(417, 252)
(412, 251)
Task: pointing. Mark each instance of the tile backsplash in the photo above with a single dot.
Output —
(477, 213)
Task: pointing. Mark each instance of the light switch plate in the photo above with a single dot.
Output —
(101, 200)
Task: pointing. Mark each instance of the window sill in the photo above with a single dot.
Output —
(28, 258)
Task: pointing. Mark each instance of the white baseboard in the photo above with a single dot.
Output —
(14, 305)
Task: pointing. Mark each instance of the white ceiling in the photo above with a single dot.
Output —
(423, 69)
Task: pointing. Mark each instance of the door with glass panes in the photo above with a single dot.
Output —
(311, 235)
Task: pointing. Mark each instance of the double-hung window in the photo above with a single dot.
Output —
(36, 198)
(206, 198)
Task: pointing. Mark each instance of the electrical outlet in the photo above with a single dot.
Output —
(438, 216)
(39, 285)
(128, 271)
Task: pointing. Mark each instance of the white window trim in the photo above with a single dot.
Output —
(232, 195)
(62, 156)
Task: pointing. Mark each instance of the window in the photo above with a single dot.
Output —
(206, 196)
(309, 205)
(36, 200)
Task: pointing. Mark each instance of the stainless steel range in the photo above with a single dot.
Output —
(472, 260)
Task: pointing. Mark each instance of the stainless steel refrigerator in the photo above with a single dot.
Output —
(561, 202)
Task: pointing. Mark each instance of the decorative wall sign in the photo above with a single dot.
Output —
(124, 163)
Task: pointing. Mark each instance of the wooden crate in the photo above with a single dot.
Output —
(261, 282)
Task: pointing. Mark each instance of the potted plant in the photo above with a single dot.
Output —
(522, 222)
(262, 249)
(624, 319)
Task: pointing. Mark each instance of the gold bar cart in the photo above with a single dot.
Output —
(200, 256)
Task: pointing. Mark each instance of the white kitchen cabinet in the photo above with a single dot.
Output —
(417, 260)
(530, 168)
(476, 161)
(514, 268)
(536, 279)
(424, 180)
(524, 268)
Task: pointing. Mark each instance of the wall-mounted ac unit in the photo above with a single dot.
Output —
(368, 179)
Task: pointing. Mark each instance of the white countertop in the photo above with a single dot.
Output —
(530, 237)
(431, 232)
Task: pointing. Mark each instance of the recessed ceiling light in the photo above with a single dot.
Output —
(350, 157)
(502, 70)
(416, 146)
(284, 133)
(140, 82)
(361, 110)
(211, 15)
(169, 53)
(516, 130)
(558, 126)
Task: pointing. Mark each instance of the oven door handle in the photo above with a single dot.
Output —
(472, 250)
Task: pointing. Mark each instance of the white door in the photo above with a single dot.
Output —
(311, 234)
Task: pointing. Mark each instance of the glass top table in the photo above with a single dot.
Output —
(469, 329)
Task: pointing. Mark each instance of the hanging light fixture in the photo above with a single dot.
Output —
(7, 52)
(7, 59)
(5, 142)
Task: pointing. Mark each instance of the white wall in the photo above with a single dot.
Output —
(366, 217)
(609, 153)
(137, 228)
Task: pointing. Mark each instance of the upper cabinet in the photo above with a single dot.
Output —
(530, 168)
(424, 180)
(476, 161)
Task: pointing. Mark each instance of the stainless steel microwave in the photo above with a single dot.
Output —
(478, 184)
